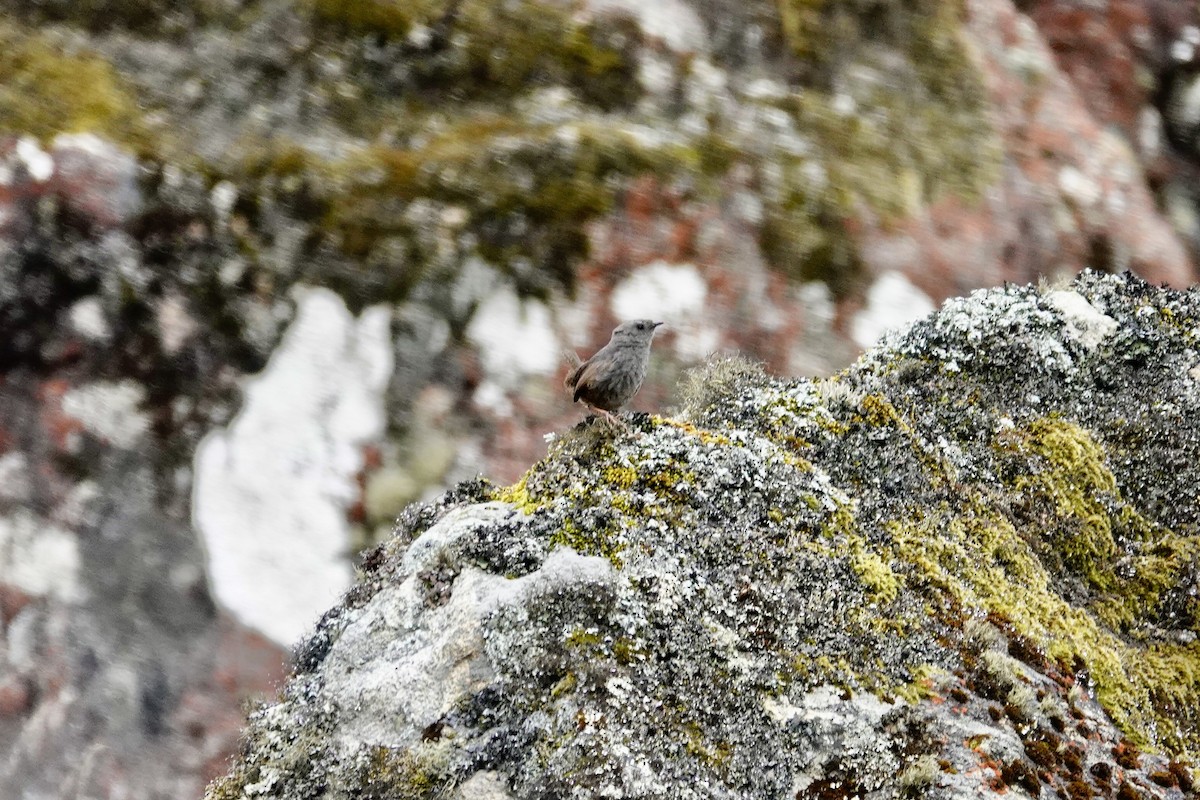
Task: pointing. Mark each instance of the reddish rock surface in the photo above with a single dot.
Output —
(1115, 52)
(1072, 192)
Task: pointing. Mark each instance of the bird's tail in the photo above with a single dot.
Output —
(574, 362)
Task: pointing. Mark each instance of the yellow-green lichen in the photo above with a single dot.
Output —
(565, 686)
(1087, 515)
(921, 687)
(875, 573)
(927, 134)
(590, 541)
(620, 477)
(517, 495)
(47, 88)
(416, 773)
(878, 412)
(974, 555)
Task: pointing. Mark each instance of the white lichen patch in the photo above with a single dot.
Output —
(417, 657)
(37, 162)
(674, 22)
(893, 303)
(1085, 323)
(109, 410)
(38, 557)
(960, 336)
(272, 489)
(514, 337)
(88, 320)
(175, 324)
(849, 728)
(660, 291)
(14, 477)
(484, 785)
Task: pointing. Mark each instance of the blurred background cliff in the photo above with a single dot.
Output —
(270, 270)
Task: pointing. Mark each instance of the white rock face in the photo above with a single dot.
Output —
(486, 785)
(671, 293)
(37, 161)
(514, 337)
(272, 489)
(660, 291)
(417, 659)
(892, 302)
(673, 21)
(109, 410)
(87, 319)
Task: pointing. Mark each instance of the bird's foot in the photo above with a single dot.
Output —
(609, 417)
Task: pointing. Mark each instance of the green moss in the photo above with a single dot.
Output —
(141, 16)
(878, 412)
(875, 573)
(590, 541)
(1089, 515)
(522, 191)
(485, 51)
(46, 90)
(390, 19)
(565, 686)
(1077, 483)
(1151, 692)
(921, 687)
(808, 239)
(627, 651)
(417, 773)
(716, 755)
(583, 637)
(925, 136)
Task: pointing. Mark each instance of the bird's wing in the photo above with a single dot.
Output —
(597, 368)
(585, 373)
(572, 379)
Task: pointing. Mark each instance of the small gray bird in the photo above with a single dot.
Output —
(608, 380)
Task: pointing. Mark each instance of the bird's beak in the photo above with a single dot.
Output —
(659, 323)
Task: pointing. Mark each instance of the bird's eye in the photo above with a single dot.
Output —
(641, 326)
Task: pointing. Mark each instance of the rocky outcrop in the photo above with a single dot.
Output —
(804, 169)
(422, 204)
(967, 566)
(119, 350)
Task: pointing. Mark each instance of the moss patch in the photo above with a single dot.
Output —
(46, 89)
(481, 51)
(921, 134)
(974, 555)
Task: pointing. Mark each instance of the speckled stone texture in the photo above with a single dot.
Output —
(965, 567)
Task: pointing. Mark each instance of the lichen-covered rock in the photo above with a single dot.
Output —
(491, 165)
(965, 566)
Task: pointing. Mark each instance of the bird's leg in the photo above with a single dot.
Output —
(612, 419)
